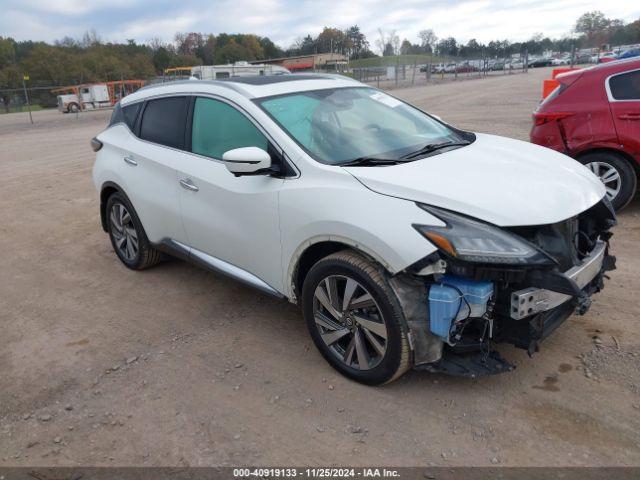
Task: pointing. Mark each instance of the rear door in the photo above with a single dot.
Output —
(233, 219)
(150, 164)
(623, 90)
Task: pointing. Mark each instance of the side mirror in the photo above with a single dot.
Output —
(246, 160)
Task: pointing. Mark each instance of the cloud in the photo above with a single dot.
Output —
(286, 20)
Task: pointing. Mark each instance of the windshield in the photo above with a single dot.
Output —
(337, 126)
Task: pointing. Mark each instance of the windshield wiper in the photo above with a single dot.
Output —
(370, 161)
(432, 147)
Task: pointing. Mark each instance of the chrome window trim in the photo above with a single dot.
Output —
(229, 102)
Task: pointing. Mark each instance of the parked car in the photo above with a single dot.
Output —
(607, 57)
(450, 68)
(497, 65)
(582, 59)
(541, 62)
(564, 60)
(594, 116)
(406, 241)
(633, 52)
(438, 68)
(465, 67)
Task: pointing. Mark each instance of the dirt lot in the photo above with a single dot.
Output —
(177, 366)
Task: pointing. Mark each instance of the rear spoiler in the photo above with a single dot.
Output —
(565, 76)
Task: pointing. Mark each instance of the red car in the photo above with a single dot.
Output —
(594, 116)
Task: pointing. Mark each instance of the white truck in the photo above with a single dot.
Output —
(238, 69)
(92, 97)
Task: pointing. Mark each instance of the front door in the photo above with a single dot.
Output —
(233, 219)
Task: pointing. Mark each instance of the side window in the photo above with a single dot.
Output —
(130, 112)
(126, 114)
(218, 127)
(625, 86)
(222, 75)
(163, 121)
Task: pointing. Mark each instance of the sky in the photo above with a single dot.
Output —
(286, 20)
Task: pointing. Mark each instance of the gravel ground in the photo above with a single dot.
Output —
(176, 366)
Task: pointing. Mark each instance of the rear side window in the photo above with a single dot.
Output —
(125, 115)
(625, 86)
(163, 121)
(130, 112)
(116, 116)
(218, 127)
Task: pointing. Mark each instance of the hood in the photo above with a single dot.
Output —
(499, 180)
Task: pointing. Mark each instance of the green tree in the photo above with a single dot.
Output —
(161, 59)
(232, 52)
(7, 52)
(270, 49)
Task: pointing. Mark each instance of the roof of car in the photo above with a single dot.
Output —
(250, 87)
(604, 69)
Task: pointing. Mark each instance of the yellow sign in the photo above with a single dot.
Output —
(25, 77)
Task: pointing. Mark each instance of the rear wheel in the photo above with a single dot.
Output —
(127, 236)
(617, 175)
(355, 319)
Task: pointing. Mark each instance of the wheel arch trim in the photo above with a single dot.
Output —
(294, 264)
(110, 188)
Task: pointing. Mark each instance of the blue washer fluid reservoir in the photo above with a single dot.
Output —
(454, 299)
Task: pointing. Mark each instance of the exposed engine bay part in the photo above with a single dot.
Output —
(454, 302)
(439, 266)
(457, 317)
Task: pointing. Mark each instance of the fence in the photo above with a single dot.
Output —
(427, 70)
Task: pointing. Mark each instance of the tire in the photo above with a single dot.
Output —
(604, 164)
(363, 353)
(128, 238)
(73, 108)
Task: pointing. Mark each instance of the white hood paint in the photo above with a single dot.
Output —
(499, 180)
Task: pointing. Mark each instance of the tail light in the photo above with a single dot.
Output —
(96, 144)
(542, 118)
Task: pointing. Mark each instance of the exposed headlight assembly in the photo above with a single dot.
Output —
(470, 240)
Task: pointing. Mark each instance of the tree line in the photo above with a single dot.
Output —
(72, 61)
(591, 30)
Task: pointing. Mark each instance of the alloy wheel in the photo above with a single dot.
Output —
(123, 231)
(350, 322)
(608, 175)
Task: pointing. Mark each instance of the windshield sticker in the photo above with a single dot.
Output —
(386, 99)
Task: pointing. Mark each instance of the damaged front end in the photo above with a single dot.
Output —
(489, 285)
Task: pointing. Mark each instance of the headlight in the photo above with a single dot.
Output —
(473, 241)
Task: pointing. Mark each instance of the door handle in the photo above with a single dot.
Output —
(129, 159)
(629, 116)
(188, 184)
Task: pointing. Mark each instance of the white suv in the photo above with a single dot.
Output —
(408, 242)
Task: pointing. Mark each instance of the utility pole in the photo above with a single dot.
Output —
(573, 54)
(25, 77)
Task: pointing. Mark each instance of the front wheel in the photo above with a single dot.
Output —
(354, 318)
(617, 175)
